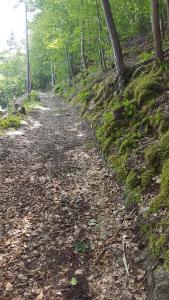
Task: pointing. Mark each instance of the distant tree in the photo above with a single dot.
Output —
(28, 75)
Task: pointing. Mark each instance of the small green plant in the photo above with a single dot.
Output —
(133, 197)
(94, 223)
(82, 247)
(90, 145)
(74, 281)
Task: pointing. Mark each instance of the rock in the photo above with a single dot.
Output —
(22, 110)
(160, 282)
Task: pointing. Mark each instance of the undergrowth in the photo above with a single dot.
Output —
(32, 101)
(10, 121)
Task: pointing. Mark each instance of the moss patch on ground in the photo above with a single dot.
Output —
(10, 121)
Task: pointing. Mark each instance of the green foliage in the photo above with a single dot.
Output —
(146, 55)
(12, 76)
(10, 121)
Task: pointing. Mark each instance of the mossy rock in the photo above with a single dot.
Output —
(144, 87)
(158, 153)
(162, 200)
(132, 180)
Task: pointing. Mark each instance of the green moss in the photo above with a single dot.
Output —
(119, 165)
(106, 144)
(166, 260)
(128, 142)
(146, 179)
(133, 197)
(159, 216)
(162, 200)
(158, 153)
(132, 180)
(11, 121)
(144, 87)
(157, 244)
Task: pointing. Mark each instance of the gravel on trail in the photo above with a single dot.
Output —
(65, 233)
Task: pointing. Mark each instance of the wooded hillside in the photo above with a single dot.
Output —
(109, 58)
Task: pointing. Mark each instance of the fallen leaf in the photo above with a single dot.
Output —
(40, 296)
(8, 286)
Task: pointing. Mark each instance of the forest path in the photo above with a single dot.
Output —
(61, 215)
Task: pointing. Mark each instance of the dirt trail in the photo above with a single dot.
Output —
(57, 198)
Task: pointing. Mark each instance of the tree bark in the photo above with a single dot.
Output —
(162, 26)
(83, 54)
(167, 4)
(28, 75)
(114, 37)
(159, 56)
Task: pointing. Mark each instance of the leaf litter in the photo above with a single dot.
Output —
(65, 233)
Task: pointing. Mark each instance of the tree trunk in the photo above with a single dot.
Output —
(101, 49)
(167, 4)
(114, 37)
(83, 54)
(28, 76)
(159, 57)
(67, 60)
(52, 74)
(162, 26)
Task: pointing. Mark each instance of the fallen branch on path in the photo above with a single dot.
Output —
(124, 258)
(111, 241)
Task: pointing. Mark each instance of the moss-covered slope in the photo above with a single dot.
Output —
(132, 128)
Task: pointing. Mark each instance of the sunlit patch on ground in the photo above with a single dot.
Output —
(42, 108)
(15, 132)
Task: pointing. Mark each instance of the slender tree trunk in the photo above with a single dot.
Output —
(167, 4)
(28, 76)
(52, 74)
(162, 26)
(159, 57)
(114, 37)
(83, 54)
(101, 49)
